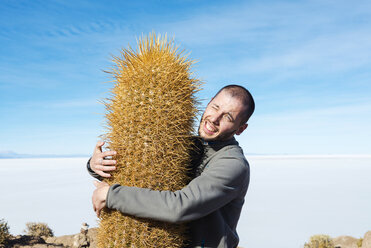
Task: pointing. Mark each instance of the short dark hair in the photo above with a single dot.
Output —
(244, 95)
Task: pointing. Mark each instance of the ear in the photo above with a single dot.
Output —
(241, 129)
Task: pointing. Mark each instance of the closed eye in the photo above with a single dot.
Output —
(229, 117)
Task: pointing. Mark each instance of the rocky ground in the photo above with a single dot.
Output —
(351, 242)
(87, 239)
(82, 239)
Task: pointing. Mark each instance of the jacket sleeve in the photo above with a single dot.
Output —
(215, 187)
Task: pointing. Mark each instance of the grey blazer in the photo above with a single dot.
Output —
(211, 203)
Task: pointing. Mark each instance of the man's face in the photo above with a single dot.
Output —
(222, 118)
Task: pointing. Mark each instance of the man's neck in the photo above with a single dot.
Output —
(219, 143)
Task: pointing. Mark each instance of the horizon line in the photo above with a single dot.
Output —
(249, 155)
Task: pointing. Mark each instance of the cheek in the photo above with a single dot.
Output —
(227, 126)
(206, 114)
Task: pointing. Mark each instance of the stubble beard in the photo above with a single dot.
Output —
(220, 137)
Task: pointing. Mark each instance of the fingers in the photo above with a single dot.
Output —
(98, 211)
(96, 208)
(102, 161)
(102, 169)
(99, 196)
(101, 157)
(105, 168)
(93, 198)
(103, 174)
(99, 160)
(108, 153)
(98, 150)
(98, 146)
(108, 162)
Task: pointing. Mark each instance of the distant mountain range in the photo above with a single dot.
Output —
(11, 154)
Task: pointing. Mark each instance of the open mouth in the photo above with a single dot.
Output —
(209, 128)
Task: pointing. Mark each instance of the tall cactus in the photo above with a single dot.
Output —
(150, 117)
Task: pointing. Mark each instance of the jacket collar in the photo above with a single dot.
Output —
(218, 144)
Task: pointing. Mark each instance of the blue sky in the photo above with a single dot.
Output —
(307, 63)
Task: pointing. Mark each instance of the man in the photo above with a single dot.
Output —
(211, 203)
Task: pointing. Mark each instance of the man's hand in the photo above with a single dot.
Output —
(99, 196)
(100, 165)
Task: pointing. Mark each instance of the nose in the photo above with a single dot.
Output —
(215, 118)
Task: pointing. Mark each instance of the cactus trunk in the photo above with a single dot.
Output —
(150, 117)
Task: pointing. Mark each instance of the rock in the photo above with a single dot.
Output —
(81, 240)
(62, 241)
(345, 242)
(25, 241)
(84, 228)
(85, 239)
(37, 246)
(366, 243)
(92, 234)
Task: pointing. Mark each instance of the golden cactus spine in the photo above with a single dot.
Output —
(150, 120)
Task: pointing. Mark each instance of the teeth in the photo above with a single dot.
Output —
(209, 127)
